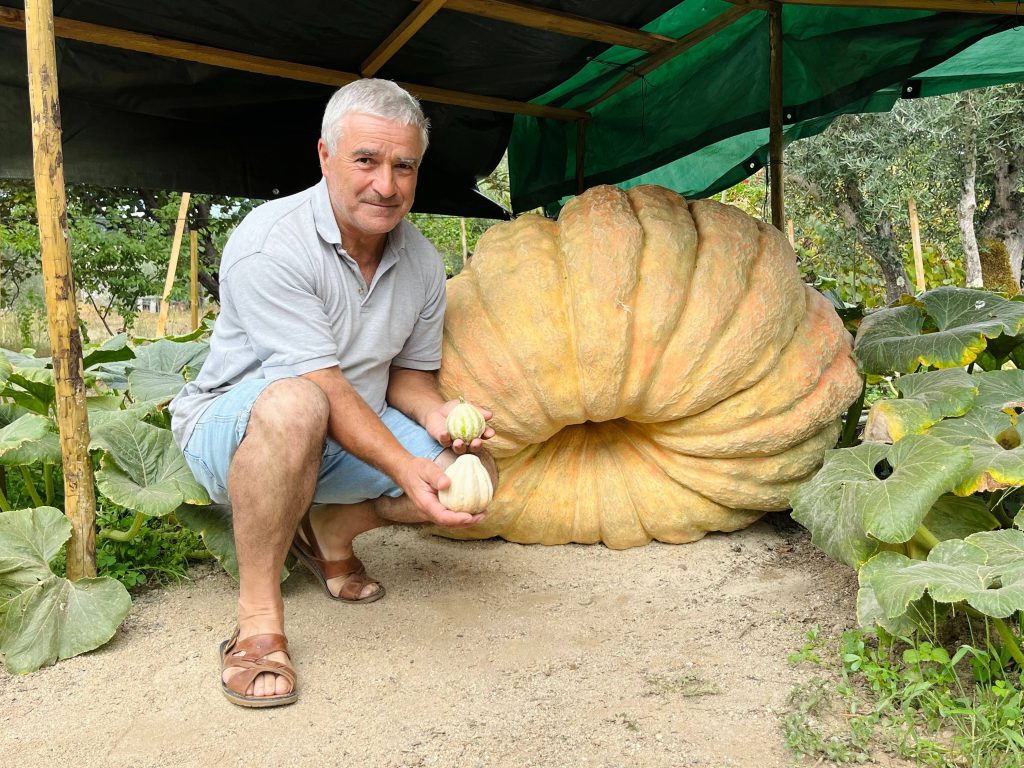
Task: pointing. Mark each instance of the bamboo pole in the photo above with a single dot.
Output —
(465, 242)
(915, 237)
(61, 309)
(791, 233)
(194, 274)
(775, 115)
(172, 265)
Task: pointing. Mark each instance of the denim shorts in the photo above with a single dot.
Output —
(343, 478)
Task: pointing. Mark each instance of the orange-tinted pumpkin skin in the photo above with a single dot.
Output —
(657, 369)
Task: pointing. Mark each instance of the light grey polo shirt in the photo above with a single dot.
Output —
(293, 301)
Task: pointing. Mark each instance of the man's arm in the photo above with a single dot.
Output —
(354, 426)
(415, 393)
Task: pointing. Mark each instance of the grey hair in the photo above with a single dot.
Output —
(372, 96)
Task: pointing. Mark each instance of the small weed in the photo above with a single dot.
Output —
(623, 719)
(158, 554)
(809, 652)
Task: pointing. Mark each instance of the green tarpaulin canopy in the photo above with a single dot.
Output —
(699, 123)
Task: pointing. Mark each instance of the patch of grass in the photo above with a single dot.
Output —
(624, 719)
(909, 698)
(684, 684)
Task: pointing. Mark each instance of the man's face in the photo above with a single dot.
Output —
(372, 173)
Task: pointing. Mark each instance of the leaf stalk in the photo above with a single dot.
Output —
(115, 535)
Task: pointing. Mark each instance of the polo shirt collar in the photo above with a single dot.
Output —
(327, 225)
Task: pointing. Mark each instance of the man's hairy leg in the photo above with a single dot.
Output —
(271, 483)
(337, 525)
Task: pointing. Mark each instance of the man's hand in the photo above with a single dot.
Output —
(421, 482)
(435, 426)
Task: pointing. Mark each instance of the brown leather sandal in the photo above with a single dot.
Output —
(250, 655)
(308, 551)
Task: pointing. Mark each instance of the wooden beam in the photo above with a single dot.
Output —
(172, 264)
(568, 24)
(937, 6)
(59, 287)
(775, 102)
(420, 15)
(193, 263)
(176, 49)
(655, 60)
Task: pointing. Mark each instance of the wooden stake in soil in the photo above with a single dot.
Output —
(775, 114)
(915, 237)
(172, 266)
(194, 272)
(61, 309)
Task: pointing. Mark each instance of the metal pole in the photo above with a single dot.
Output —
(61, 308)
(775, 114)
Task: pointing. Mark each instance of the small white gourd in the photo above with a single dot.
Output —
(471, 489)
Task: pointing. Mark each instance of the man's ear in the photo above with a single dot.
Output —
(324, 154)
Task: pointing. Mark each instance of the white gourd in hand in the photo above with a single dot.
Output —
(471, 488)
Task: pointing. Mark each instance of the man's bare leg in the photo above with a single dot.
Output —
(336, 525)
(271, 483)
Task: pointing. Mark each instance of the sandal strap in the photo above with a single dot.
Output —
(353, 587)
(329, 568)
(249, 656)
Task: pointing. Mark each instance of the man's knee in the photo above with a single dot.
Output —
(291, 407)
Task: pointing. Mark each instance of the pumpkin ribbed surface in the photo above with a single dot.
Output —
(656, 369)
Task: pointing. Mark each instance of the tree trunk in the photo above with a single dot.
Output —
(879, 244)
(965, 211)
(1003, 219)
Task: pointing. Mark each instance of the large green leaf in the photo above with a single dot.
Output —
(43, 617)
(1002, 390)
(876, 492)
(171, 356)
(161, 386)
(920, 613)
(213, 523)
(113, 350)
(957, 517)
(45, 450)
(994, 441)
(893, 339)
(22, 430)
(5, 368)
(142, 469)
(927, 398)
(986, 570)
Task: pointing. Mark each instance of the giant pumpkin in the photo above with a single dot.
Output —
(657, 369)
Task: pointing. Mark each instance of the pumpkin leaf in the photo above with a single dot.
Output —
(994, 441)
(143, 470)
(23, 430)
(171, 356)
(919, 613)
(160, 386)
(957, 517)
(43, 617)
(5, 367)
(113, 350)
(892, 339)
(927, 398)
(213, 523)
(876, 492)
(1002, 390)
(986, 570)
(45, 450)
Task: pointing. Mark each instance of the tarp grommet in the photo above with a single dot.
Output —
(911, 89)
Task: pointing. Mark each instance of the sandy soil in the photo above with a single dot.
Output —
(482, 654)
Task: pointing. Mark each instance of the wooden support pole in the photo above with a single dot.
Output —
(172, 266)
(915, 237)
(59, 286)
(791, 233)
(194, 274)
(465, 242)
(581, 154)
(775, 115)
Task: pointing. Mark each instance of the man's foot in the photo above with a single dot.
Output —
(257, 671)
(332, 560)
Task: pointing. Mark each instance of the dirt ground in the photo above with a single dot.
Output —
(482, 654)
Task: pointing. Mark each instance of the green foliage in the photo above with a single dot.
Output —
(925, 511)
(142, 481)
(914, 699)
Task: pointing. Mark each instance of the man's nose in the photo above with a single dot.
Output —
(384, 181)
